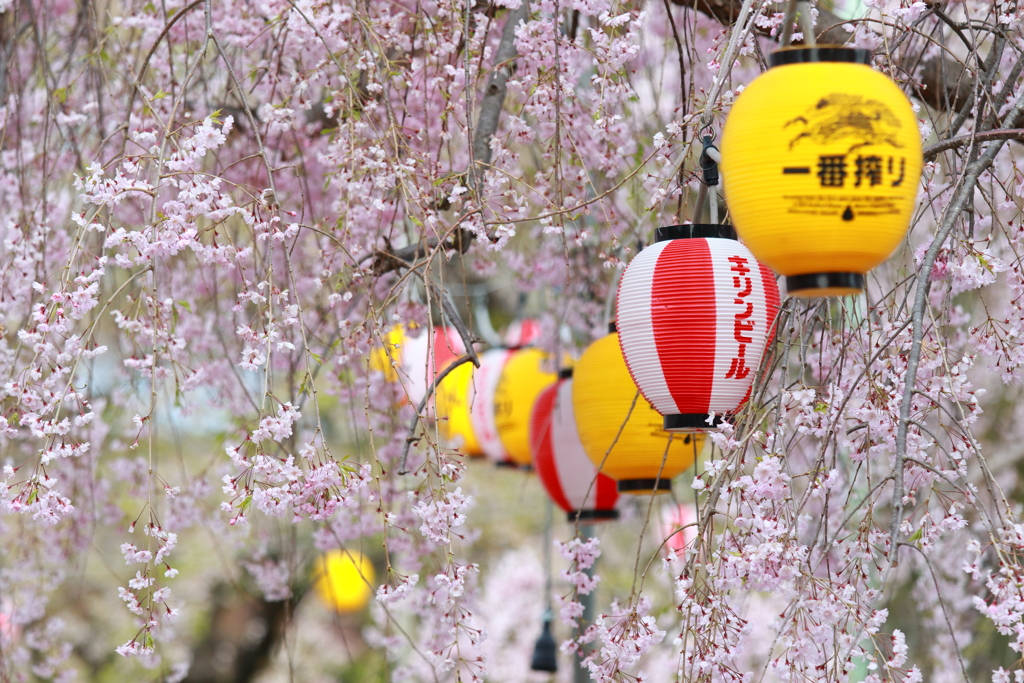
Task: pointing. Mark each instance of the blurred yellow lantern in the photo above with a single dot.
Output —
(381, 356)
(821, 158)
(343, 580)
(526, 375)
(643, 458)
(455, 396)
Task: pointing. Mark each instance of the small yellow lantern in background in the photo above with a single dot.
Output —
(821, 158)
(526, 375)
(380, 357)
(343, 580)
(643, 458)
(455, 396)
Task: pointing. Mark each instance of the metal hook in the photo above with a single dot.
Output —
(709, 162)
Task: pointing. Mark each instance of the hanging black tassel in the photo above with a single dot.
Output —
(544, 655)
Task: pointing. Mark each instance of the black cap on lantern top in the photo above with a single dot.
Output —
(691, 230)
(565, 373)
(613, 327)
(544, 651)
(820, 53)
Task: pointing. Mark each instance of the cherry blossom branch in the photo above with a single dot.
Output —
(145, 62)
(956, 206)
(932, 151)
(494, 95)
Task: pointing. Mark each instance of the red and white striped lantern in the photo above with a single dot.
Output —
(695, 311)
(522, 332)
(416, 358)
(481, 400)
(562, 465)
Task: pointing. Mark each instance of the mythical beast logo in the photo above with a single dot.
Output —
(839, 117)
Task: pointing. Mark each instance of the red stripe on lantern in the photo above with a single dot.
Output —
(694, 315)
(561, 463)
(543, 449)
(690, 383)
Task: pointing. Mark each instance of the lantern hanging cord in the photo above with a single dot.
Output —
(710, 176)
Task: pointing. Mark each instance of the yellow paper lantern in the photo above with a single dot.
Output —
(343, 580)
(381, 356)
(643, 458)
(527, 373)
(821, 158)
(455, 396)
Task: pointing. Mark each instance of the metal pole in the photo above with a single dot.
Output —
(581, 674)
(548, 520)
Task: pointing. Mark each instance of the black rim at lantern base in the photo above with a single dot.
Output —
(690, 422)
(820, 53)
(506, 463)
(591, 515)
(692, 230)
(811, 283)
(645, 485)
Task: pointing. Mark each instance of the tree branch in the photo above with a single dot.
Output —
(410, 438)
(494, 95)
(943, 78)
(384, 261)
(935, 150)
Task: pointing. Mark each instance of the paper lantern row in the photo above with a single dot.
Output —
(512, 410)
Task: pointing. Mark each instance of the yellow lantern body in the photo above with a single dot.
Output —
(380, 357)
(821, 162)
(526, 375)
(455, 397)
(343, 580)
(643, 458)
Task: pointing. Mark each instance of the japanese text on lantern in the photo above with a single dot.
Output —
(743, 323)
(867, 170)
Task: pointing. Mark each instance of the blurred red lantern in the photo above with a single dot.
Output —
(679, 525)
(522, 332)
(562, 465)
(695, 311)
